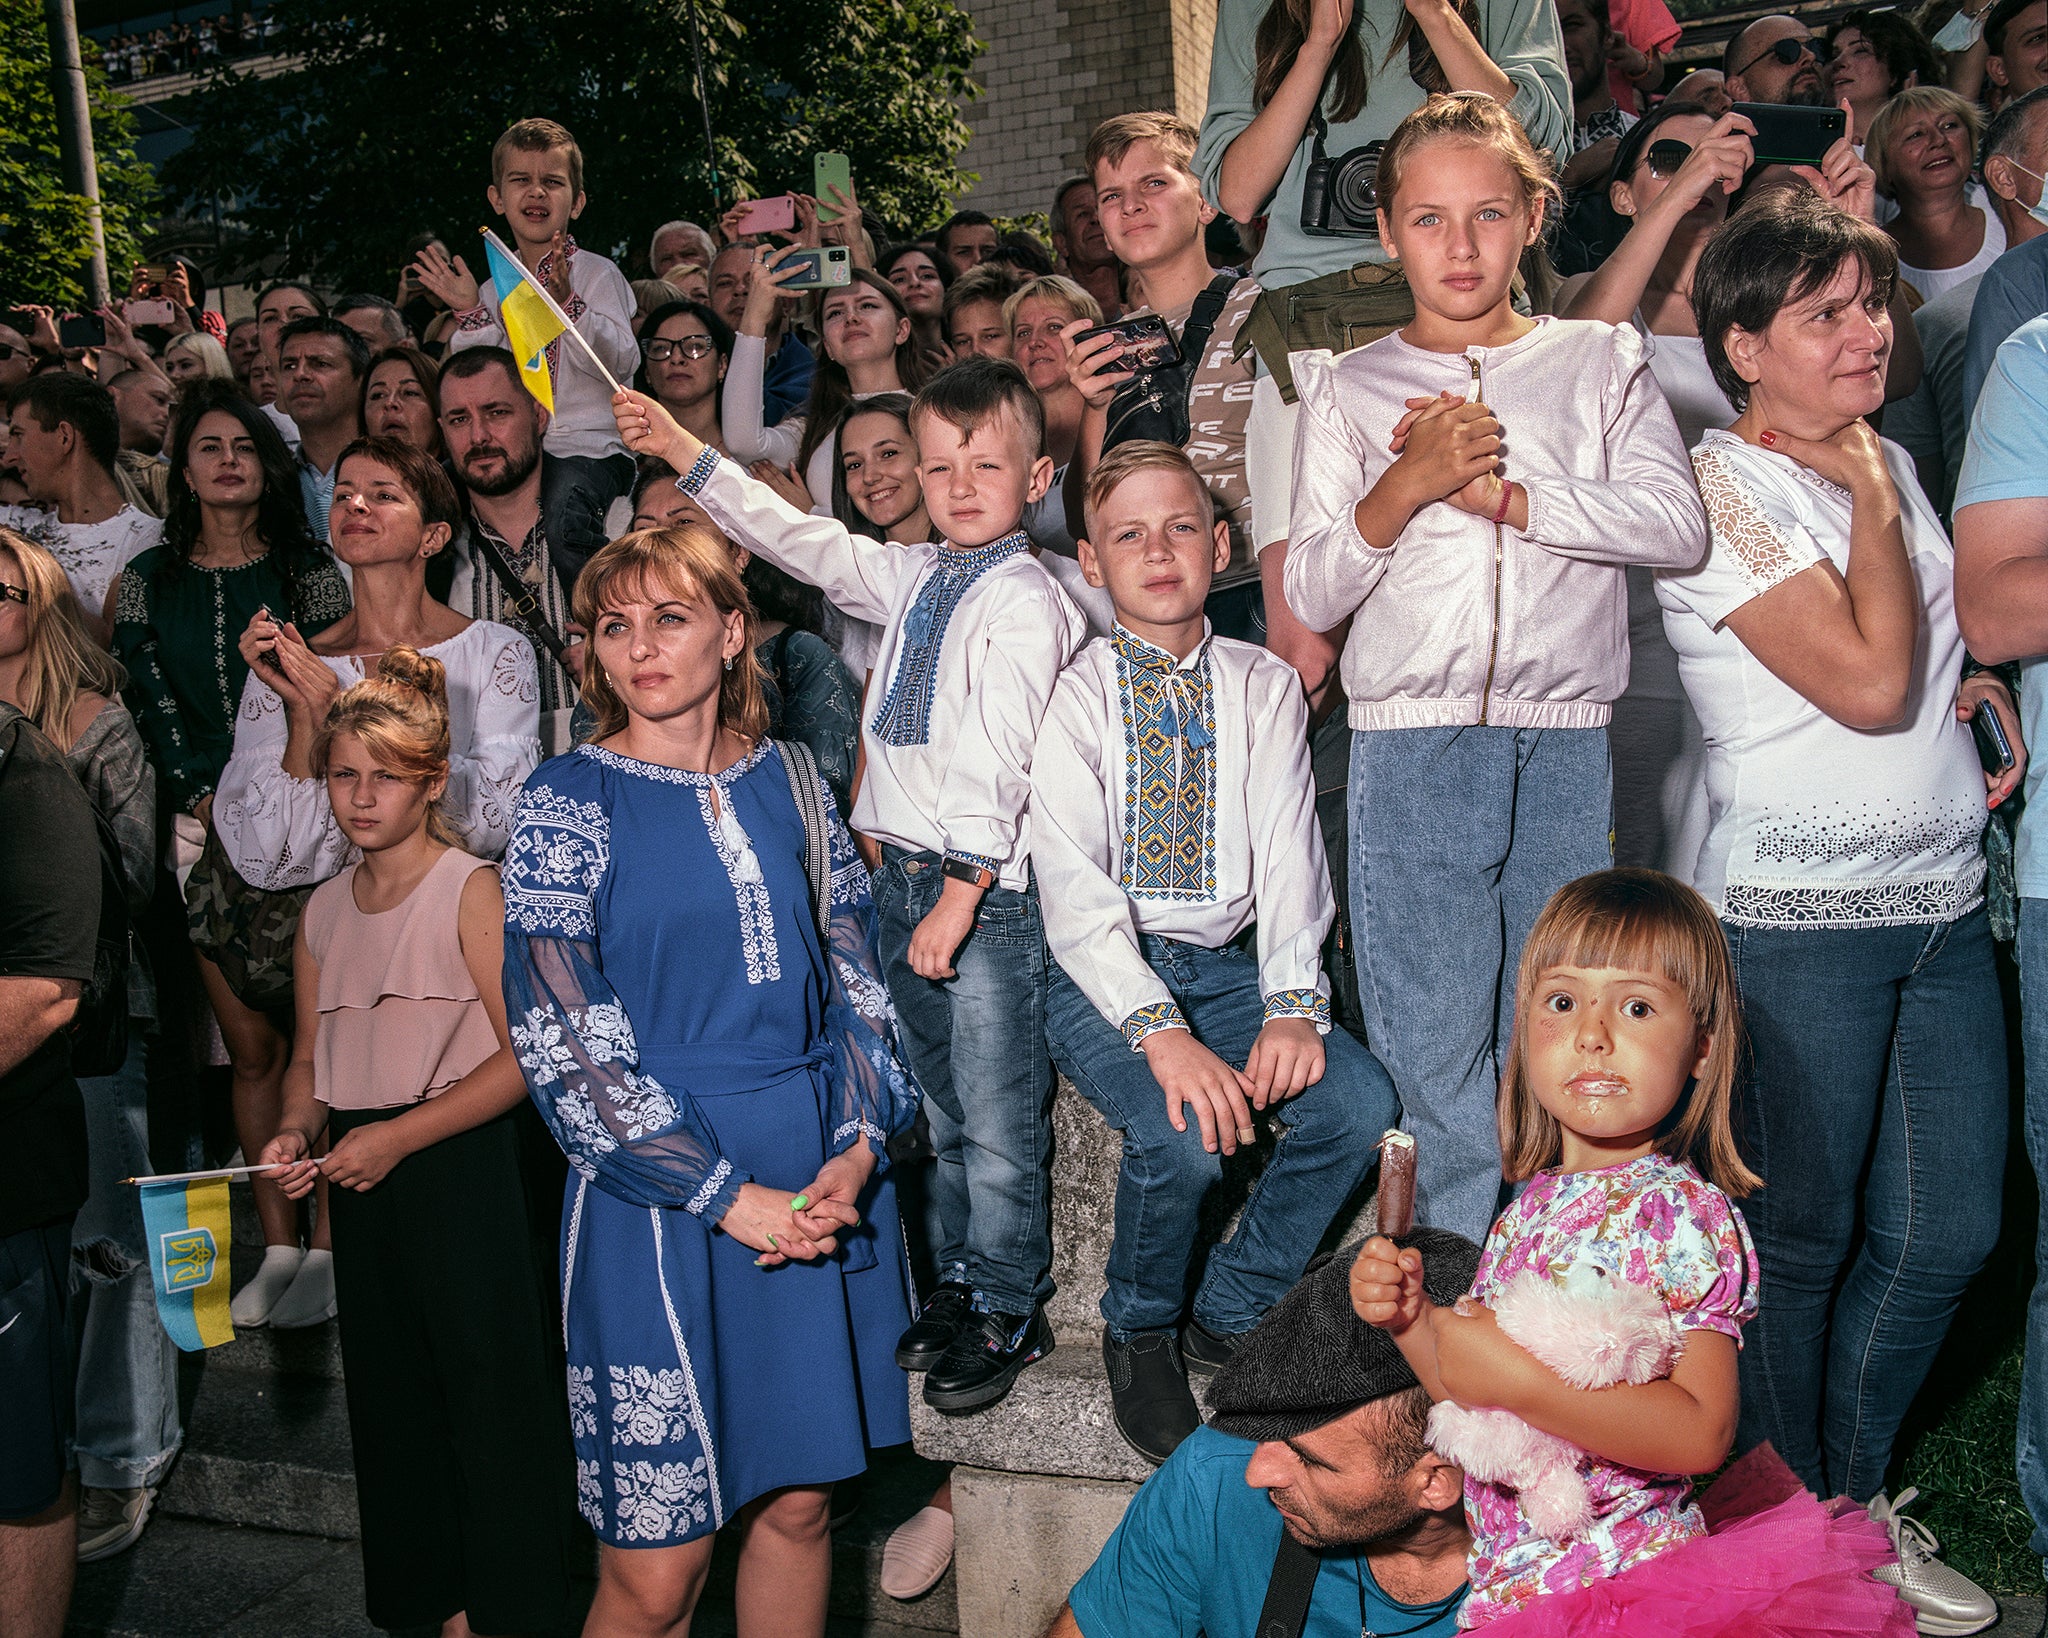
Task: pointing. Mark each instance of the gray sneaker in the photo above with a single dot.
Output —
(1945, 1602)
(111, 1521)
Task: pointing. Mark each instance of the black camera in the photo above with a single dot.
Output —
(1340, 197)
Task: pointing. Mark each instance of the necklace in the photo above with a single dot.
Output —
(1365, 1630)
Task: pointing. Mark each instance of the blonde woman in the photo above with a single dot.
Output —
(127, 1404)
(1922, 146)
(1040, 317)
(196, 357)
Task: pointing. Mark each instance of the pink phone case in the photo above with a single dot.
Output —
(769, 215)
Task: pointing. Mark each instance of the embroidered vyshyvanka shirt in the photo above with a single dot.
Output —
(974, 641)
(1177, 798)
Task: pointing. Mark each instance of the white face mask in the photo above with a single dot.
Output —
(2039, 208)
(1960, 32)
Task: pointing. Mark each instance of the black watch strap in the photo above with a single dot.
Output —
(963, 870)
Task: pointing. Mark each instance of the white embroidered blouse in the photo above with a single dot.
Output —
(1177, 798)
(1812, 823)
(279, 832)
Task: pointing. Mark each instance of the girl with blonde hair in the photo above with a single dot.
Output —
(401, 1059)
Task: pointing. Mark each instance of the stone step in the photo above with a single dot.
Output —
(265, 1449)
(314, 1351)
(1056, 1419)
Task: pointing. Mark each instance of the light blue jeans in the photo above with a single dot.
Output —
(2033, 1419)
(127, 1400)
(1458, 838)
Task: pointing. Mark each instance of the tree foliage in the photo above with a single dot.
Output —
(386, 130)
(45, 238)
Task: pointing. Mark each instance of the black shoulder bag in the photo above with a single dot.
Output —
(1154, 403)
(520, 595)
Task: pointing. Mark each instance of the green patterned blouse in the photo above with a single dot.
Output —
(177, 627)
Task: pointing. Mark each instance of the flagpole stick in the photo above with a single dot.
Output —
(548, 296)
(224, 1171)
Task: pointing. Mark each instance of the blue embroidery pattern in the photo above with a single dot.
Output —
(1150, 1020)
(693, 481)
(904, 717)
(1169, 720)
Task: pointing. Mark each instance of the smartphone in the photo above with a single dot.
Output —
(826, 269)
(1994, 750)
(81, 330)
(829, 171)
(1147, 341)
(154, 277)
(18, 318)
(1792, 136)
(777, 215)
(147, 312)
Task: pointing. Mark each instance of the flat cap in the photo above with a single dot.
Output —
(1312, 1359)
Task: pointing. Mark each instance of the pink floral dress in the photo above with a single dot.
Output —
(1657, 1223)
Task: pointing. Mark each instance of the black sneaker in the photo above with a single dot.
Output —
(984, 1360)
(1205, 1352)
(937, 1324)
(1148, 1390)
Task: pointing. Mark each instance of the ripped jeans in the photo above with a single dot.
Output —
(127, 1402)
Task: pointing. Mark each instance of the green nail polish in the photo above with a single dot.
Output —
(774, 1242)
(761, 1261)
(799, 1202)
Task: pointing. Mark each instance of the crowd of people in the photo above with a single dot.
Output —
(1482, 594)
(187, 47)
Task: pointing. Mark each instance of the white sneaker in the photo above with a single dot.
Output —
(1944, 1601)
(310, 1301)
(111, 1521)
(253, 1303)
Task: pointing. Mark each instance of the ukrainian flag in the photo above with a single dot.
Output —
(532, 320)
(186, 1225)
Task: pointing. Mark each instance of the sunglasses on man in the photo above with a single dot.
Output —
(1788, 52)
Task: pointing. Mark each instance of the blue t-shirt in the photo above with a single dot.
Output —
(1194, 1553)
(2007, 459)
(2013, 291)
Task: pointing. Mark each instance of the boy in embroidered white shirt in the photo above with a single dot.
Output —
(976, 635)
(537, 186)
(1174, 807)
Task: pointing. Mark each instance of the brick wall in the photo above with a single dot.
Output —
(1055, 68)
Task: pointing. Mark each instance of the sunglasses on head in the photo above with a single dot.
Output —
(1788, 52)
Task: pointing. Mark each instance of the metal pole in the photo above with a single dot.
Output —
(74, 136)
(703, 103)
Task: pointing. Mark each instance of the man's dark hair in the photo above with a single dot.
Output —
(1899, 45)
(2007, 133)
(64, 395)
(357, 349)
(1597, 10)
(960, 219)
(1780, 248)
(1999, 19)
(319, 301)
(425, 479)
(397, 333)
(973, 392)
(472, 362)
(1025, 251)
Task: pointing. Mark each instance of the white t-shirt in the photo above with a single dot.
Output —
(1932, 281)
(93, 554)
(1814, 824)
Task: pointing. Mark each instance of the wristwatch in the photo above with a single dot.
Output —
(961, 870)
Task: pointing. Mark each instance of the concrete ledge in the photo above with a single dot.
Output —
(1024, 1541)
(1055, 1421)
(272, 1452)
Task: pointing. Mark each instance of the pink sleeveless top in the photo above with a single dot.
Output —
(400, 1017)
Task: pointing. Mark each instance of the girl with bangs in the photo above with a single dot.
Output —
(701, 1019)
(401, 1060)
(1616, 1112)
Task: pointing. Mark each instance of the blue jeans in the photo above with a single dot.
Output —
(1876, 1116)
(1458, 838)
(127, 1404)
(1326, 1146)
(977, 1043)
(2033, 1420)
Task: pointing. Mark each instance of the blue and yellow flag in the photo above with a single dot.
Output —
(531, 318)
(187, 1228)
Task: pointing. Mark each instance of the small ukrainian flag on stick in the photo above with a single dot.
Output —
(185, 1222)
(533, 322)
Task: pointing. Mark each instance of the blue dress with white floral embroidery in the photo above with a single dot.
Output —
(683, 1032)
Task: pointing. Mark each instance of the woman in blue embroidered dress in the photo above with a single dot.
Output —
(733, 1278)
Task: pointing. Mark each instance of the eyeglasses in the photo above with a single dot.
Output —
(691, 347)
(1666, 155)
(1788, 51)
(13, 594)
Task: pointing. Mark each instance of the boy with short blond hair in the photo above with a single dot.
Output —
(1174, 810)
(537, 186)
(977, 632)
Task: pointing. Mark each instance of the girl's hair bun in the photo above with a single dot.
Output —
(409, 668)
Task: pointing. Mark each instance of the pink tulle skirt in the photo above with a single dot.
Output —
(1775, 1563)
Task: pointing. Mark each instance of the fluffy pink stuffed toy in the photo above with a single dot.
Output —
(1594, 1330)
